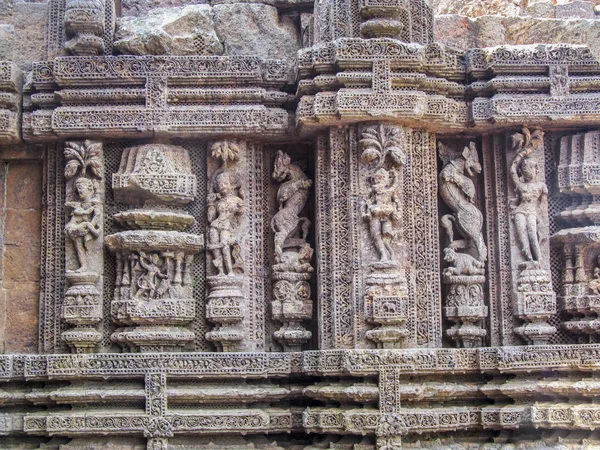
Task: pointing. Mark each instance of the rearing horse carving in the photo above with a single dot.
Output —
(291, 198)
(458, 191)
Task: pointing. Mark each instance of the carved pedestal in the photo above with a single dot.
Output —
(536, 303)
(226, 308)
(153, 289)
(291, 305)
(153, 295)
(465, 307)
(83, 309)
(387, 305)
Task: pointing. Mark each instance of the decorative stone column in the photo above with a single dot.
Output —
(153, 290)
(535, 300)
(384, 153)
(82, 306)
(464, 275)
(292, 270)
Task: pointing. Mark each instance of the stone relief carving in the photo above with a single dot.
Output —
(292, 270)
(153, 293)
(374, 107)
(524, 172)
(85, 167)
(384, 153)
(82, 307)
(536, 300)
(465, 274)
(227, 214)
(382, 207)
(84, 24)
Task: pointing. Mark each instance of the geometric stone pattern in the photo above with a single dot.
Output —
(377, 242)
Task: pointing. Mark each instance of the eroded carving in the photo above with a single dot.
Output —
(227, 223)
(292, 270)
(82, 306)
(384, 153)
(153, 293)
(464, 276)
(84, 24)
(536, 300)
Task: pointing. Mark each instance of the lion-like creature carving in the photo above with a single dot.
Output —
(291, 198)
(462, 263)
(458, 192)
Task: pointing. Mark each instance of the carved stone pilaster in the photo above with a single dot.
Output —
(464, 275)
(292, 270)
(535, 300)
(465, 307)
(84, 24)
(384, 153)
(227, 220)
(153, 296)
(82, 306)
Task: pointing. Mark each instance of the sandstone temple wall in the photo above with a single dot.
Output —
(299, 224)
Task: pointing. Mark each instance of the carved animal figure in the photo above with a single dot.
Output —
(458, 190)
(298, 262)
(291, 198)
(462, 263)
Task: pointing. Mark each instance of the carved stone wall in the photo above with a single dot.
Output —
(374, 241)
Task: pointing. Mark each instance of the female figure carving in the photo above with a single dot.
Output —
(530, 192)
(225, 215)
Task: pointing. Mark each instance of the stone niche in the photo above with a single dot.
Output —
(298, 225)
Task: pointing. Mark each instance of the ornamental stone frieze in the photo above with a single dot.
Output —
(297, 225)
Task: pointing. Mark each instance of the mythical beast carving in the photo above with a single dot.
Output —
(458, 190)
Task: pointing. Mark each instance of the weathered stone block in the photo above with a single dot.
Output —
(188, 30)
(256, 29)
(578, 9)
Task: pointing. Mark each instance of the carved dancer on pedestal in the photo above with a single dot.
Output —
(82, 305)
(465, 273)
(292, 271)
(530, 192)
(383, 157)
(227, 224)
(536, 300)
